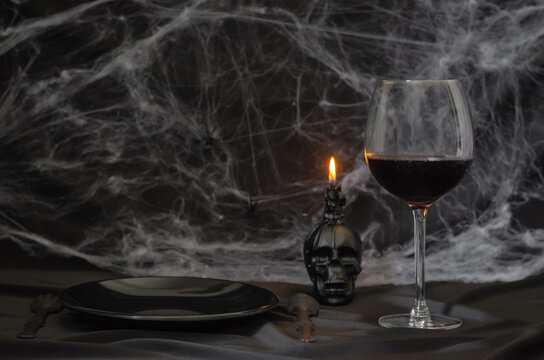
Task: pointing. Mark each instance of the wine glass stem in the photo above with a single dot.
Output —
(419, 316)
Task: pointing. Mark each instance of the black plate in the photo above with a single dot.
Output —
(169, 299)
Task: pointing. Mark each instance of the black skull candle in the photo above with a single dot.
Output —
(332, 250)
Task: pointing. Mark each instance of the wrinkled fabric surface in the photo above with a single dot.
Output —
(501, 321)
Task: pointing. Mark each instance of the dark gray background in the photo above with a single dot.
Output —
(193, 138)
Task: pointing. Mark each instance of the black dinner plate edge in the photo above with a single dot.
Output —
(170, 318)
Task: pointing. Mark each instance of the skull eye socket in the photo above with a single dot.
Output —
(346, 252)
(323, 254)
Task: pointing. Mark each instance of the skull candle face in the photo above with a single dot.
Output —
(332, 254)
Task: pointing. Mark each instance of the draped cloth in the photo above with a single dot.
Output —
(500, 321)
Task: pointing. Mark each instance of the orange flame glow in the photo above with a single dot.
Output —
(332, 171)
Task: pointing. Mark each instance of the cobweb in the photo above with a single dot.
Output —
(193, 138)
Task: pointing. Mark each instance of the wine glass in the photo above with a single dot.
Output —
(418, 146)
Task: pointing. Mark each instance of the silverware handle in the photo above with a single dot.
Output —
(32, 325)
(304, 326)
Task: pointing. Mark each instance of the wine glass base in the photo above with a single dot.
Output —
(436, 322)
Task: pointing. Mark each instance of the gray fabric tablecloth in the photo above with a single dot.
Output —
(501, 321)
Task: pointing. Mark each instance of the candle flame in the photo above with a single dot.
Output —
(332, 171)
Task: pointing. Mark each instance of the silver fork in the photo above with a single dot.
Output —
(42, 306)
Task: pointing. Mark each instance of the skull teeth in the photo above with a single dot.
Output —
(335, 286)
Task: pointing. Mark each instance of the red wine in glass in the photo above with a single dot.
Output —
(418, 180)
(418, 146)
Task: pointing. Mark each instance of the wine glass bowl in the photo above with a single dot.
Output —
(418, 146)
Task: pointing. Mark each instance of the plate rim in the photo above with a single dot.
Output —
(177, 318)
